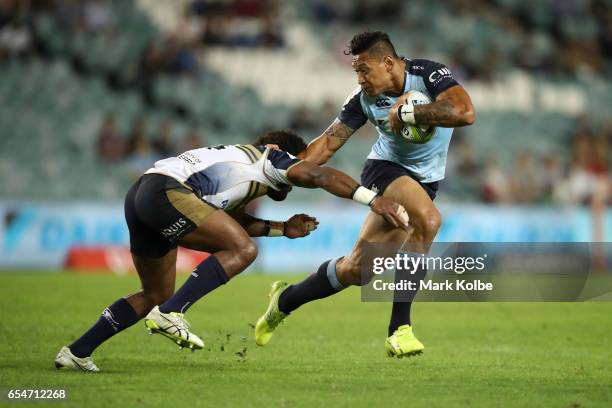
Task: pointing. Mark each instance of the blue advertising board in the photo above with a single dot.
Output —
(39, 235)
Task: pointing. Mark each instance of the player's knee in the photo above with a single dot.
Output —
(246, 253)
(429, 222)
(433, 222)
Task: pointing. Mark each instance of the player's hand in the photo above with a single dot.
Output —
(273, 146)
(394, 120)
(392, 212)
(300, 226)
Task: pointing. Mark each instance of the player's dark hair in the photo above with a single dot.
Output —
(286, 139)
(376, 42)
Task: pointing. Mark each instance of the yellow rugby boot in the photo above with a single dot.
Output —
(266, 324)
(403, 343)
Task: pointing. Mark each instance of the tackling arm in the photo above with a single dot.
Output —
(300, 225)
(253, 226)
(309, 175)
(321, 149)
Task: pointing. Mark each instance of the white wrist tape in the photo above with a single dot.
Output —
(275, 228)
(403, 215)
(364, 196)
(405, 113)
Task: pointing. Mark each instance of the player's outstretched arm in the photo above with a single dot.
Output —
(298, 226)
(309, 175)
(321, 149)
(452, 108)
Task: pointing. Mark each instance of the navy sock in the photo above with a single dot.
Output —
(208, 276)
(402, 300)
(118, 316)
(400, 315)
(319, 285)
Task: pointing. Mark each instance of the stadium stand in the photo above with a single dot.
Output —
(89, 60)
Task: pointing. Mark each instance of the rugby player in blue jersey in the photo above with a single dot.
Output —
(396, 167)
(196, 200)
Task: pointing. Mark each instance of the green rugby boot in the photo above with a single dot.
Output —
(403, 343)
(266, 324)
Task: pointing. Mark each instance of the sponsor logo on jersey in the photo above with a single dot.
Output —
(175, 228)
(189, 158)
(383, 102)
(224, 203)
(439, 74)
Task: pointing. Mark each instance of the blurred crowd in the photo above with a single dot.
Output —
(18, 36)
(568, 37)
(531, 178)
(206, 23)
(565, 37)
(556, 37)
(137, 147)
(236, 23)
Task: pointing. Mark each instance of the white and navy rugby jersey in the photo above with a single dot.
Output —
(426, 161)
(229, 176)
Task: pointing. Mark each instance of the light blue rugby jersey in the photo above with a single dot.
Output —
(427, 161)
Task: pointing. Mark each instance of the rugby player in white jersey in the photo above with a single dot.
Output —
(396, 167)
(196, 200)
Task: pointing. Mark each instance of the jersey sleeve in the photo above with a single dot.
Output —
(437, 77)
(351, 114)
(278, 164)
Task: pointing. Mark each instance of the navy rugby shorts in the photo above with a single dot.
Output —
(159, 211)
(378, 174)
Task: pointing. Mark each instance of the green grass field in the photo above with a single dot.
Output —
(331, 351)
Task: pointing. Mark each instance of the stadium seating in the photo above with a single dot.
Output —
(53, 106)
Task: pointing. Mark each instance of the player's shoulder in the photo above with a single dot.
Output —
(423, 67)
(352, 113)
(354, 97)
(436, 76)
(279, 158)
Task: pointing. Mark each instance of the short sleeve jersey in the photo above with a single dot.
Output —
(229, 176)
(425, 161)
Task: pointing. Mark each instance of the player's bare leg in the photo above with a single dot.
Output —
(425, 220)
(327, 281)
(221, 235)
(337, 274)
(157, 277)
(232, 250)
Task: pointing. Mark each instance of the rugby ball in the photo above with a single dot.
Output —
(416, 133)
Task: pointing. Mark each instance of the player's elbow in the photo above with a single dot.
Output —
(466, 116)
(326, 156)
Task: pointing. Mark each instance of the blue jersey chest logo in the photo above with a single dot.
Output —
(379, 111)
(383, 102)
